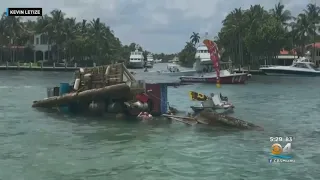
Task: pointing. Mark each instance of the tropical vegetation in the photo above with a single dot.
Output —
(256, 35)
(247, 37)
(71, 40)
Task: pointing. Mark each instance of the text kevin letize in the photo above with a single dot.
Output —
(24, 12)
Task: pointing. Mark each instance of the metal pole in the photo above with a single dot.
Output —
(314, 37)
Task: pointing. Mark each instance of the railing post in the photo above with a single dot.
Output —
(7, 64)
(75, 65)
(54, 65)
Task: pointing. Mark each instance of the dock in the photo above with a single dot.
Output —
(41, 67)
(107, 89)
(33, 68)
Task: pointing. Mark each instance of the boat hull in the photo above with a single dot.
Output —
(149, 64)
(138, 65)
(181, 73)
(230, 79)
(281, 72)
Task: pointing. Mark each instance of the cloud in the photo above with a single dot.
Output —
(158, 26)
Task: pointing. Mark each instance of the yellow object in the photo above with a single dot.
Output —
(276, 149)
(194, 96)
(218, 83)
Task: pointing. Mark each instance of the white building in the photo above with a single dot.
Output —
(41, 47)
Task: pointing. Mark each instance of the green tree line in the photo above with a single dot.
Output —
(71, 40)
(254, 36)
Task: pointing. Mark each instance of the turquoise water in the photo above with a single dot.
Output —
(44, 146)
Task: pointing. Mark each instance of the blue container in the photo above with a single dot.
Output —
(64, 88)
(164, 98)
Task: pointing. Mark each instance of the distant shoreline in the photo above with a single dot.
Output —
(28, 68)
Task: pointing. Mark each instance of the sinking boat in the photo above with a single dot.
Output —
(211, 118)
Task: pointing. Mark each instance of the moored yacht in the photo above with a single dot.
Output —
(204, 65)
(203, 62)
(150, 61)
(136, 59)
(300, 67)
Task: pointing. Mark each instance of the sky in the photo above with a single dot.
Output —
(156, 25)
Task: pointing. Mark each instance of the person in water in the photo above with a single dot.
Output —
(145, 116)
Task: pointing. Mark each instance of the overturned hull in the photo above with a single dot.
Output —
(114, 91)
(213, 118)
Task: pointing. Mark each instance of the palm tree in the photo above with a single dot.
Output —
(189, 47)
(3, 36)
(98, 35)
(70, 29)
(281, 14)
(194, 38)
(312, 12)
(55, 27)
(16, 29)
(80, 41)
(234, 26)
(302, 30)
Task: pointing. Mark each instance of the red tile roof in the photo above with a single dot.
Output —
(293, 52)
(285, 52)
(317, 45)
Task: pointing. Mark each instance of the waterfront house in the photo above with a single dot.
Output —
(41, 47)
(286, 57)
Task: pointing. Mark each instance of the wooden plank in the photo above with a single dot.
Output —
(188, 122)
(181, 117)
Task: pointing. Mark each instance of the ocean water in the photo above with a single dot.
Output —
(35, 145)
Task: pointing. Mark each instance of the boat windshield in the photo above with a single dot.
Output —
(313, 66)
(301, 65)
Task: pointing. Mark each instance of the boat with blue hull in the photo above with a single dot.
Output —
(300, 67)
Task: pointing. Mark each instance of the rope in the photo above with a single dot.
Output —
(159, 99)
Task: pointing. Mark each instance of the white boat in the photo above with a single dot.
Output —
(204, 66)
(214, 101)
(136, 59)
(150, 61)
(174, 70)
(157, 61)
(203, 62)
(300, 67)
